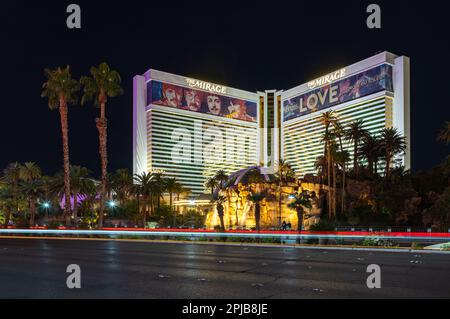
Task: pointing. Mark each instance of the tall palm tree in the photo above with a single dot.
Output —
(257, 198)
(299, 203)
(342, 158)
(103, 83)
(339, 133)
(354, 133)
(392, 144)
(172, 186)
(61, 91)
(329, 140)
(444, 134)
(327, 119)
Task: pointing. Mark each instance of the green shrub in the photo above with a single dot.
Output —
(370, 242)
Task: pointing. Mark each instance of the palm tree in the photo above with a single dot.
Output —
(299, 203)
(320, 165)
(370, 150)
(339, 133)
(172, 186)
(144, 189)
(32, 190)
(221, 177)
(444, 134)
(328, 139)
(61, 91)
(11, 178)
(328, 118)
(212, 184)
(7, 202)
(257, 198)
(31, 186)
(342, 158)
(104, 83)
(158, 187)
(334, 151)
(78, 177)
(354, 133)
(122, 183)
(284, 174)
(392, 144)
(218, 200)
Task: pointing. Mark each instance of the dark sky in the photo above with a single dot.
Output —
(248, 45)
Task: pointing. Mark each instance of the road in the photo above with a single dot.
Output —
(36, 268)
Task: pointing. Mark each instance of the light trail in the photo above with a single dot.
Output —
(237, 234)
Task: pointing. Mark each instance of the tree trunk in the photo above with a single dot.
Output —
(138, 200)
(329, 181)
(173, 211)
(220, 213)
(238, 206)
(257, 216)
(334, 190)
(65, 141)
(355, 157)
(279, 203)
(75, 206)
(145, 210)
(370, 160)
(343, 190)
(388, 164)
(102, 131)
(32, 213)
(7, 217)
(299, 218)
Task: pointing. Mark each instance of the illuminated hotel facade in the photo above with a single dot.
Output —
(190, 129)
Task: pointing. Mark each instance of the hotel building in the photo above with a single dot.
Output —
(190, 129)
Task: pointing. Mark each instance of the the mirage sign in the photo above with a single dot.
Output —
(356, 86)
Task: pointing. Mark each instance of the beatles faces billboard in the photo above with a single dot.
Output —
(165, 94)
(353, 87)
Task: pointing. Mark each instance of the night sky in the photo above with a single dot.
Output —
(247, 45)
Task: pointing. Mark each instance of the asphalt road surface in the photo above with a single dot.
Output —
(36, 268)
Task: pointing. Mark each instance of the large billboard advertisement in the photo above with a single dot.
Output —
(353, 87)
(165, 94)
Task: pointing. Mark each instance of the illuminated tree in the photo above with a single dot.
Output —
(391, 144)
(257, 198)
(61, 91)
(327, 119)
(31, 186)
(299, 203)
(218, 200)
(103, 83)
(355, 133)
(172, 186)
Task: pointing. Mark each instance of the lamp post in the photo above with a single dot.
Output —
(46, 206)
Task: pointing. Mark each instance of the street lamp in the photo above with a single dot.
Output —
(46, 206)
(112, 204)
